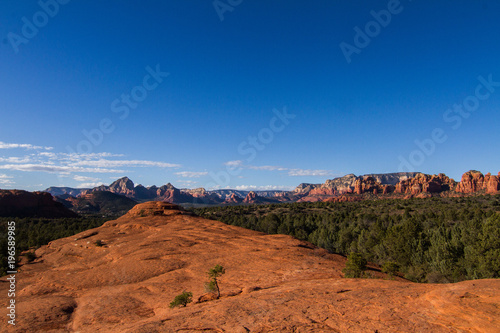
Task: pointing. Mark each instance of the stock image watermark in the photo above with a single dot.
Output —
(11, 272)
(121, 107)
(223, 6)
(250, 147)
(31, 26)
(363, 37)
(453, 116)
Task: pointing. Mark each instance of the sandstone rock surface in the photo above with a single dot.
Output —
(273, 283)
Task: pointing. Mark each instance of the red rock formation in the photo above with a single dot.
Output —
(233, 199)
(493, 184)
(423, 183)
(17, 203)
(367, 184)
(386, 189)
(251, 197)
(472, 181)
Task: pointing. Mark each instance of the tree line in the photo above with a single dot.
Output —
(435, 240)
(32, 233)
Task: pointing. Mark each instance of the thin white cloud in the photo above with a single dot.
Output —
(267, 168)
(291, 172)
(308, 172)
(67, 163)
(191, 174)
(187, 182)
(89, 156)
(15, 159)
(104, 163)
(80, 178)
(234, 163)
(55, 168)
(263, 188)
(27, 146)
(6, 180)
(89, 185)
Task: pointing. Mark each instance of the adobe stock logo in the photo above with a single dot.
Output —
(372, 29)
(30, 28)
(455, 116)
(222, 6)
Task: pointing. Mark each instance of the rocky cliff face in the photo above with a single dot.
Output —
(492, 183)
(251, 197)
(423, 183)
(305, 188)
(474, 181)
(233, 199)
(123, 186)
(17, 203)
(391, 178)
(367, 184)
(403, 183)
(352, 184)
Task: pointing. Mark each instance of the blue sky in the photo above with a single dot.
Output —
(245, 94)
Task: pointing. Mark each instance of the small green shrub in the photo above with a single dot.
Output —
(390, 268)
(355, 265)
(182, 300)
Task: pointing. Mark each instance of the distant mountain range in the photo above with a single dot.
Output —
(123, 194)
(402, 184)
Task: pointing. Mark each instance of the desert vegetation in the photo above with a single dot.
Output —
(214, 275)
(428, 240)
(182, 299)
(35, 232)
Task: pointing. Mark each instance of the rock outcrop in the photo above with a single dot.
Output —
(472, 181)
(99, 202)
(233, 199)
(251, 197)
(423, 183)
(492, 183)
(18, 203)
(122, 276)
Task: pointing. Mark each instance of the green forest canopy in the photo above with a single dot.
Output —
(431, 240)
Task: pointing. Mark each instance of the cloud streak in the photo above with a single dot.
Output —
(308, 172)
(26, 146)
(263, 188)
(191, 174)
(104, 163)
(55, 168)
(65, 163)
(80, 178)
(6, 180)
(291, 172)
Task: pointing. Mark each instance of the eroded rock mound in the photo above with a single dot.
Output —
(154, 208)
